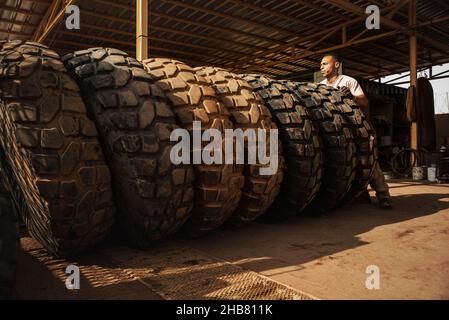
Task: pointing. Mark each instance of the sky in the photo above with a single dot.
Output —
(440, 87)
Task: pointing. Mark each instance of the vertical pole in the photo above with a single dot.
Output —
(413, 67)
(344, 35)
(141, 29)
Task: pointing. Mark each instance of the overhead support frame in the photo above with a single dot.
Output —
(141, 29)
(52, 17)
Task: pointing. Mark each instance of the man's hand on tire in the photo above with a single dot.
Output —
(346, 91)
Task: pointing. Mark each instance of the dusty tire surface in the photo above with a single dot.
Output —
(52, 158)
(9, 240)
(365, 139)
(339, 144)
(247, 112)
(301, 143)
(154, 197)
(192, 98)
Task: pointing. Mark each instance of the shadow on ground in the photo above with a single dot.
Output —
(113, 271)
(260, 247)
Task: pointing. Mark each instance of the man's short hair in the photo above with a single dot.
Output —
(334, 55)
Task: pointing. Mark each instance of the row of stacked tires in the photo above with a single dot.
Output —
(85, 147)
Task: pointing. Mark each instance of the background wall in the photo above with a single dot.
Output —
(442, 126)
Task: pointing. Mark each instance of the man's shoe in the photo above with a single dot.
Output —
(385, 204)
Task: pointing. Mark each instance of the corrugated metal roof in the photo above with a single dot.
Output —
(265, 36)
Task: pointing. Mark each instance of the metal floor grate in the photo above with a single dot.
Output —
(173, 271)
(178, 272)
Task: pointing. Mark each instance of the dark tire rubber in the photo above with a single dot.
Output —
(9, 240)
(339, 144)
(247, 112)
(154, 197)
(301, 143)
(52, 157)
(365, 139)
(217, 186)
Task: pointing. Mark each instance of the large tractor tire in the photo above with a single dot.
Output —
(153, 195)
(301, 143)
(217, 186)
(365, 139)
(339, 145)
(9, 240)
(247, 112)
(51, 155)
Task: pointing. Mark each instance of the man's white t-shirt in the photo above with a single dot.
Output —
(346, 81)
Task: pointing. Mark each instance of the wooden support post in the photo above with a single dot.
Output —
(413, 68)
(141, 30)
(344, 35)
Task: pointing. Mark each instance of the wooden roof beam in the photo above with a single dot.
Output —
(421, 18)
(164, 29)
(275, 13)
(341, 46)
(402, 54)
(165, 40)
(307, 52)
(232, 17)
(20, 34)
(70, 48)
(350, 7)
(199, 24)
(21, 11)
(41, 1)
(349, 63)
(151, 47)
(283, 47)
(214, 50)
(403, 76)
(208, 11)
(368, 55)
(352, 69)
(442, 3)
(296, 42)
(217, 28)
(423, 65)
(399, 6)
(309, 4)
(130, 44)
(176, 31)
(19, 23)
(126, 21)
(52, 17)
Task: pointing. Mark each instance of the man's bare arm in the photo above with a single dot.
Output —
(362, 101)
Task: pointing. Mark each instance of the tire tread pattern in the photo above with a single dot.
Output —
(51, 152)
(154, 196)
(301, 143)
(217, 186)
(247, 112)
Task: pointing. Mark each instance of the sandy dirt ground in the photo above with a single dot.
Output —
(326, 257)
